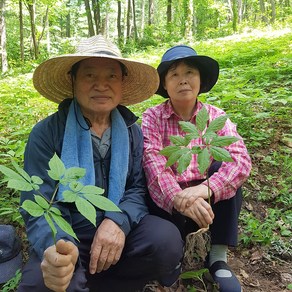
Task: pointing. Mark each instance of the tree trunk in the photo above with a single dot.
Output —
(168, 11)
(142, 17)
(31, 10)
(119, 28)
(273, 12)
(4, 61)
(151, 12)
(263, 11)
(188, 19)
(129, 19)
(134, 20)
(89, 18)
(68, 21)
(21, 31)
(96, 15)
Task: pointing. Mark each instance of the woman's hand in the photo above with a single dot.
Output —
(58, 265)
(107, 246)
(192, 203)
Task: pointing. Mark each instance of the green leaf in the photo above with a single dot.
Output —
(203, 160)
(20, 185)
(63, 224)
(51, 224)
(168, 150)
(22, 172)
(72, 174)
(41, 202)
(193, 274)
(36, 180)
(196, 149)
(217, 124)
(209, 135)
(69, 196)
(94, 190)
(57, 168)
(220, 154)
(11, 174)
(102, 203)
(76, 186)
(175, 156)
(202, 119)
(189, 127)
(177, 140)
(86, 209)
(32, 208)
(184, 162)
(55, 210)
(224, 141)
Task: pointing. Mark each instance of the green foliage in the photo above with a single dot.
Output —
(86, 198)
(12, 284)
(196, 275)
(211, 146)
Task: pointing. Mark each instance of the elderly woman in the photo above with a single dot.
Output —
(94, 130)
(182, 198)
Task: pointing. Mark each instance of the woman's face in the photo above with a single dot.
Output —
(98, 85)
(182, 83)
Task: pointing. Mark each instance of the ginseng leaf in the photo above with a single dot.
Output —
(217, 124)
(203, 160)
(51, 224)
(190, 128)
(11, 174)
(177, 140)
(94, 190)
(57, 168)
(175, 156)
(32, 208)
(20, 185)
(223, 141)
(184, 162)
(41, 202)
(72, 174)
(86, 209)
(69, 196)
(201, 119)
(220, 154)
(63, 224)
(102, 203)
(168, 150)
(22, 172)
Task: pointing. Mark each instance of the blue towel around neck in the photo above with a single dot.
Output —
(77, 151)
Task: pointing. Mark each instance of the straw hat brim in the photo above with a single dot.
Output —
(208, 67)
(52, 78)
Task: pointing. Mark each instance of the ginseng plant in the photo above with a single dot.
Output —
(212, 147)
(85, 197)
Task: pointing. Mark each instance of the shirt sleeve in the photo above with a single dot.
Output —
(231, 175)
(162, 184)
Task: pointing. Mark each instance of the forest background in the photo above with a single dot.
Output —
(251, 41)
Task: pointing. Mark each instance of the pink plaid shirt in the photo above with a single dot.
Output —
(158, 124)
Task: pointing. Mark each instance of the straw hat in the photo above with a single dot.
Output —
(52, 78)
(208, 67)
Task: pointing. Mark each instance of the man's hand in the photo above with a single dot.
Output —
(192, 203)
(107, 246)
(58, 265)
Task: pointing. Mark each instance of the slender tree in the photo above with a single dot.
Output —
(21, 30)
(89, 18)
(4, 60)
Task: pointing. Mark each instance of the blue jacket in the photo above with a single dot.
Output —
(45, 139)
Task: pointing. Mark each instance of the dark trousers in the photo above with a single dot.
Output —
(223, 230)
(153, 251)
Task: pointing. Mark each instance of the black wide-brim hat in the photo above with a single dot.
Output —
(208, 67)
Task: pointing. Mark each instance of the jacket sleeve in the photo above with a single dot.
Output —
(133, 203)
(41, 146)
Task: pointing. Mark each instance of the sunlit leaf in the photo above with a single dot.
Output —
(193, 274)
(51, 224)
(57, 168)
(220, 154)
(11, 174)
(32, 208)
(63, 224)
(20, 185)
(174, 157)
(37, 180)
(217, 124)
(22, 172)
(55, 210)
(177, 140)
(41, 201)
(86, 209)
(76, 186)
(190, 128)
(69, 196)
(102, 203)
(92, 190)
